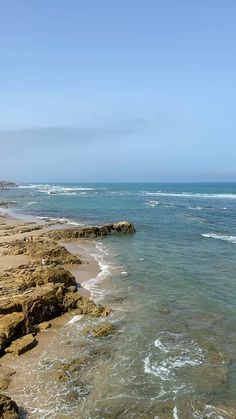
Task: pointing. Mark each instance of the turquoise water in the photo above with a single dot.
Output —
(173, 287)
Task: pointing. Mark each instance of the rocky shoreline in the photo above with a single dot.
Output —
(35, 292)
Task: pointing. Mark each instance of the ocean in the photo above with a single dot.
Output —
(172, 285)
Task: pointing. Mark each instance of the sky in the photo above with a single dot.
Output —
(117, 91)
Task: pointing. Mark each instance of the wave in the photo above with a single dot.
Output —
(230, 239)
(105, 271)
(51, 189)
(192, 195)
(151, 204)
(30, 203)
(165, 359)
(60, 220)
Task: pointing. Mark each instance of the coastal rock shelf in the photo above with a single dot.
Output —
(34, 295)
(123, 227)
(43, 289)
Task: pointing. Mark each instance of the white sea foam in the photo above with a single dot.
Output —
(160, 345)
(76, 319)
(93, 284)
(195, 208)
(230, 239)
(30, 203)
(192, 195)
(58, 189)
(151, 204)
(155, 369)
(175, 413)
(165, 359)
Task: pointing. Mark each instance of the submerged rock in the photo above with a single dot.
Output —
(8, 408)
(102, 329)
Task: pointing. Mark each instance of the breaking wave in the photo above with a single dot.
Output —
(230, 239)
(192, 195)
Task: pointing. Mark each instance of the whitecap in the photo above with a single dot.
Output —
(151, 204)
(192, 195)
(230, 239)
(30, 203)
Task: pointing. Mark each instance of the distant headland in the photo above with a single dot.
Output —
(7, 184)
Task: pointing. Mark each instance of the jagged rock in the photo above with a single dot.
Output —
(55, 275)
(93, 231)
(11, 326)
(43, 303)
(25, 276)
(8, 408)
(102, 329)
(89, 307)
(84, 306)
(72, 300)
(22, 345)
(44, 326)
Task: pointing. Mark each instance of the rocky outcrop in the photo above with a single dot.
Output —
(48, 251)
(7, 184)
(102, 329)
(84, 306)
(33, 295)
(8, 408)
(123, 227)
(12, 326)
(21, 278)
(41, 290)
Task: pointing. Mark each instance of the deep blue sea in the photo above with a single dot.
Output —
(173, 288)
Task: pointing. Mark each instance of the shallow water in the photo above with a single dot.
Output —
(173, 288)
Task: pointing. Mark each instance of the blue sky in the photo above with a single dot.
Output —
(124, 90)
